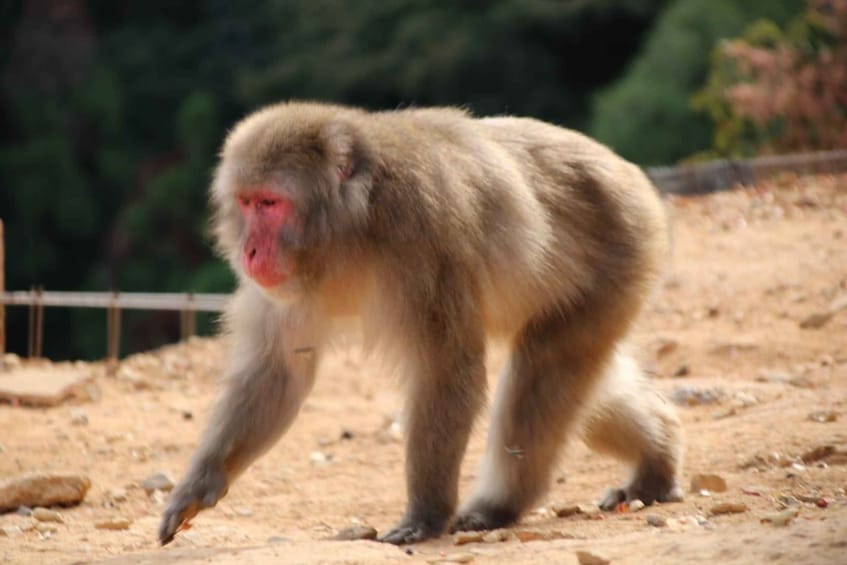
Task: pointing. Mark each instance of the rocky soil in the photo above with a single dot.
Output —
(747, 333)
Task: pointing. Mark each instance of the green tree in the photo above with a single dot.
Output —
(535, 57)
(778, 91)
(647, 115)
(112, 112)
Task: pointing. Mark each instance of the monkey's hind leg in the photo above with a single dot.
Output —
(550, 375)
(631, 421)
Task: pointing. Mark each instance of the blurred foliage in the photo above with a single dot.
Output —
(111, 112)
(647, 114)
(774, 91)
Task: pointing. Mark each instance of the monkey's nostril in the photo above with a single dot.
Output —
(251, 254)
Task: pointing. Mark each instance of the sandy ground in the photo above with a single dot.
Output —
(747, 267)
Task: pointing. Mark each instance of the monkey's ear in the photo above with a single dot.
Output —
(340, 146)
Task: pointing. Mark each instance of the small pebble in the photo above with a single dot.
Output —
(728, 508)
(114, 524)
(588, 509)
(243, 511)
(656, 520)
(565, 510)
(461, 538)
(531, 535)
(636, 505)
(732, 411)
(682, 371)
(346, 435)
(743, 399)
(158, 497)
(823, 416)
(90, 392)
(10, 530)
(682, 523)
(453, 558)
(666, 346)
(79, 417)
(24, 511)
(46, 515)
(755, 490)
(818, 453)
(117, 495)
(787, 500)
(356, 533)
(782, 518)
(276, 539)
(821, 503)
(588, 558)
(801, 382)
(157, 481)
(43, 528)
(496, 536)
(697, 396)
(317, 457)
(709, 482)
(815, 320)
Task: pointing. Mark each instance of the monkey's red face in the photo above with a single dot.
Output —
(265, 213)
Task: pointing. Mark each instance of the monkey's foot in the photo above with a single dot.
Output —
(192, 495)
(411, 531)
(648, 490)
(484, 517)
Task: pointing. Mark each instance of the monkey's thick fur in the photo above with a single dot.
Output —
(440, 229)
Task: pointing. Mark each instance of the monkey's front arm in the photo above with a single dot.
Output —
(265, 389)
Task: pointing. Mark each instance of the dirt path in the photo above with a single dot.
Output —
(747, 268)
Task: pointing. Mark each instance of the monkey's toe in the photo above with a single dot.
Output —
(612, 498)
(410, 533)
(483, 517)
(648, 492)
(173, 520)
(199, 490)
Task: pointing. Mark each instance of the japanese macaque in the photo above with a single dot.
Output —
(439, 229)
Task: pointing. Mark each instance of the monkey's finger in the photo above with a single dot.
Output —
(174, 519)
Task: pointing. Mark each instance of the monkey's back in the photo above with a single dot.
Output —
(545, 216)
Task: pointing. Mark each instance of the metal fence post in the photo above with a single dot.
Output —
(113, 335)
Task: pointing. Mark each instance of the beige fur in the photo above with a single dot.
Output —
(440, 229)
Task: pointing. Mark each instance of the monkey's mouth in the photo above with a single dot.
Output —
(269, 280)
(267, 269)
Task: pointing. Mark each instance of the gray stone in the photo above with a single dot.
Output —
(356, 533)
(47, 515)
(157, 481)
(43, 490)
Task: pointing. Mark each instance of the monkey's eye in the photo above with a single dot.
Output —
(243, 201)
(267, 202)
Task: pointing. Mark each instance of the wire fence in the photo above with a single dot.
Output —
(684, 179)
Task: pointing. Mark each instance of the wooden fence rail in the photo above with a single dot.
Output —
(701, 178)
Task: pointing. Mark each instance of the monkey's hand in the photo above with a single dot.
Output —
(201, 488)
